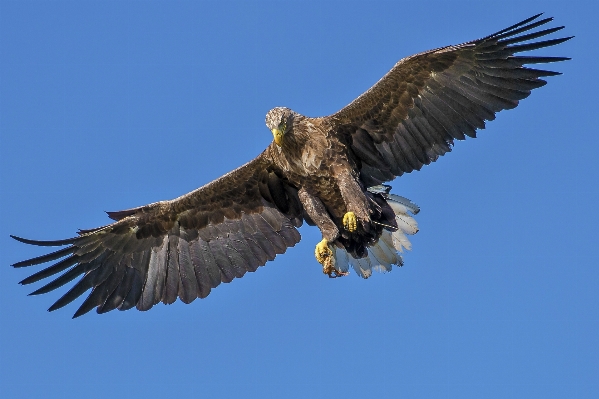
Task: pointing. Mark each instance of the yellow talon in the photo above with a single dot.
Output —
(324, 256)
(322, 252)
(350, 223)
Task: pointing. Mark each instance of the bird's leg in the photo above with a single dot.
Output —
(319, 215)
(358, 208)
(324, 256)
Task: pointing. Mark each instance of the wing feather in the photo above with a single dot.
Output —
(118, 294)
(211, 265)
(176, 249)
(188, 285)
(200, 269)
(134, 295)
(238, 242)
(412, 115)
(52, 270)
(172, 271)
(111, 279)
(222, 261)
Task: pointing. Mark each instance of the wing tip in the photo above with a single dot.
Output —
(42, 243)
(519, 24)
(39, 291)
(55, 306)
(26, 281)
(80, 312)
(23, 240)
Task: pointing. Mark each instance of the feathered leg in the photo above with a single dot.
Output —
(358, 207)
(319, 215)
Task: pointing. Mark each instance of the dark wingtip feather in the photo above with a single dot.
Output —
(539, 60)
(39, 291)
(537, 45)
(51, 270)
(522, 29)
(75, 292)
(61, 280)
(530, 36)
(28, 280)
(55, 306)
(56, 243)
(61, 253)
(83, 310)
(543, 73)
(31, 279)
(509, 28)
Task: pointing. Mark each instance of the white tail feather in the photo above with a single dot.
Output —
(386, 252)
(380, 257)
(400, 241)
(391, 198)
(398, 208)
(362, 266)
(390, 252)
(407, 224)
(341, 260)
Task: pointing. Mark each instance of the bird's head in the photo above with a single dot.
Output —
(279, 121)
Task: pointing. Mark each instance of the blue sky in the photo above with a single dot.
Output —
(110, 105)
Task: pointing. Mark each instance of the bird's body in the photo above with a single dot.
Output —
(318, 160)
(328, 171)
(306, 162)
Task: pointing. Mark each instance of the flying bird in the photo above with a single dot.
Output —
(327, 171)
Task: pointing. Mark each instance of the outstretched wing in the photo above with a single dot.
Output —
(180, 248)
(412, 115)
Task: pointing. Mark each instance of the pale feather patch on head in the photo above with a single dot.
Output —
(276, 116)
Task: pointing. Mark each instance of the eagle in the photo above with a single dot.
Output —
(329, 172)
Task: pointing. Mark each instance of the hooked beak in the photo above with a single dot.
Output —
(278, 135)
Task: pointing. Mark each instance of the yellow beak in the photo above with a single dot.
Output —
(278, 135)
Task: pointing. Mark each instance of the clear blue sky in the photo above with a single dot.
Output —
(109, 105)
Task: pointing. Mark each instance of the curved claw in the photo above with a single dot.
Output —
(350, 222)
(334, 273)
(324, 256)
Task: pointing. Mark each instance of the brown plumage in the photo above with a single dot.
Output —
(328, 171)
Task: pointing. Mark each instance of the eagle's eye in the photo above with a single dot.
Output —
(283, 126)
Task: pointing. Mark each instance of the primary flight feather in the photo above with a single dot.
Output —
(327, 171)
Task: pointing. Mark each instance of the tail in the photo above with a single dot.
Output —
(386, 252)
